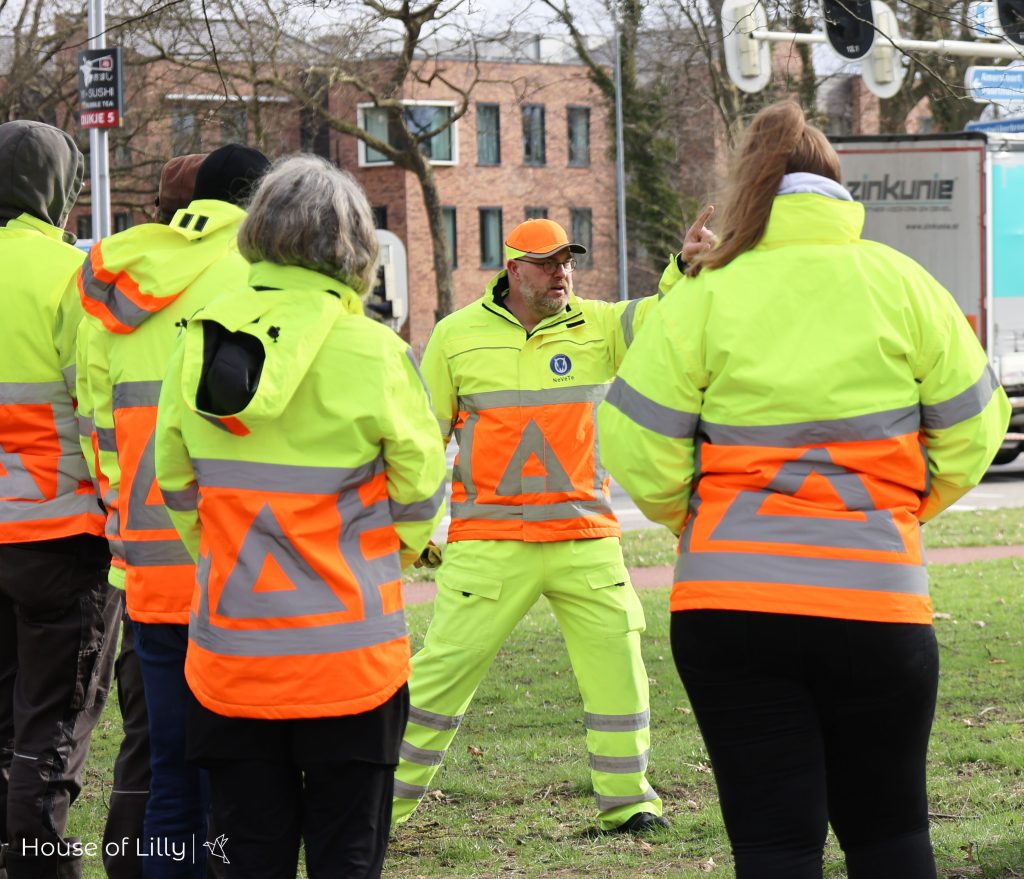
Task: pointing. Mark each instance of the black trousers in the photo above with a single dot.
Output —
(127, 807)
(810, 721)
(341, 811)
(326, 782)
(58, 634)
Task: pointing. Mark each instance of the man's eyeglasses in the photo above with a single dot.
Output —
(551, 266)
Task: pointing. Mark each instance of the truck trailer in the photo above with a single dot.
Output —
(955, 203)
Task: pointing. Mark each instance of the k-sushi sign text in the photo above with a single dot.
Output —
(100, 92)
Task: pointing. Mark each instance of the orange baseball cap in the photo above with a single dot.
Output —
(538, 239)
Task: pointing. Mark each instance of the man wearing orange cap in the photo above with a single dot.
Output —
(517, 377)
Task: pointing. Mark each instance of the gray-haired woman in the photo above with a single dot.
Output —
(300, 459)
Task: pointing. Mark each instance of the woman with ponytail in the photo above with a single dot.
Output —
(804, 402)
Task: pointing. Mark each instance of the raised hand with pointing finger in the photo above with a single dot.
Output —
(699, 237)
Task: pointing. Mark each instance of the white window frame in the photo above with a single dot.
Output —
(361, 109)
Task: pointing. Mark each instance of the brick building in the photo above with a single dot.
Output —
(534, 143)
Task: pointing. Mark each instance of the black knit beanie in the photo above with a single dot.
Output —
(230, 173)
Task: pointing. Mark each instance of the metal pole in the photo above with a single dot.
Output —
(99, 163)
(961, 48)
(620, 167)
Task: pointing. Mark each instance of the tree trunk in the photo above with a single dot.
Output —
(439, 244)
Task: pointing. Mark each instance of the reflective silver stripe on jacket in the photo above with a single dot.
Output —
(871, 528)
(184, 500)
(155, 553)
(419, 510)
(606, 804)
(106, 294)
(628, 316)
(17, 485)
(967, 404)
(299, 640)
(617, 722)
(106, 439)
(761, 567)
(859, 428)
(287, 478)
(439, 722)
(620, 765)
(132, 394)
(531, 442)
(311, 596)
(673, 423)
(62, 507)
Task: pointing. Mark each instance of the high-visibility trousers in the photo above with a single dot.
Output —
(485, 587)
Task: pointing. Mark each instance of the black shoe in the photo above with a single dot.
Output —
(641, 822)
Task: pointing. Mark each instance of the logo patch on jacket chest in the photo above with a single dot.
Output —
(560, 364)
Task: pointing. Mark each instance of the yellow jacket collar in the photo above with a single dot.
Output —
(810, 217)
(27, 221)
(268, 274)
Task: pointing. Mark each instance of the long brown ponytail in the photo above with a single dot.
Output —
(778, 141)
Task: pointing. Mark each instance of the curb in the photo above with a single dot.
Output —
(421, 591)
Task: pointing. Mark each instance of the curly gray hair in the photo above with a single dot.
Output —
(305, 212)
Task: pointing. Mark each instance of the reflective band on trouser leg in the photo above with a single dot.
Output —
(427, 738)
(619, 781)
(601, 619)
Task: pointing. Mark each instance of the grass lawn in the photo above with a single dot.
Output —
(513, 798)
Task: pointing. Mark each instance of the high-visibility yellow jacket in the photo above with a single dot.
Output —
(299, 459)
(94, 457)
(142, 285)
(800, 410)
(45, 489)
(522, 407)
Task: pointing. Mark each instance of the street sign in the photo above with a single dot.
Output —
(1009, 125)
(992, 85)
(100, 92)
(983, 20)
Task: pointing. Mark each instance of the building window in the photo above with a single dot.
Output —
(488, 134)
(234, 124)
(122, 221)
(380, 217)
(83, 227)
(490, 238)
(419, 119)
(536, 213)
(579, 136)
(581, 231)
(450, 229)
(533, 134)
(184, 131)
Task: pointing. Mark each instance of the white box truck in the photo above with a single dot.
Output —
(955, 203)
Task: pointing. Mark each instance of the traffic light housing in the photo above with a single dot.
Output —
(747, 60)
(882, 70)
(850, 27)
(1011, 19)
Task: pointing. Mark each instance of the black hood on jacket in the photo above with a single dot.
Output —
(41, 172)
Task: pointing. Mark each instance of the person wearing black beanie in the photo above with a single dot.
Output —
(229, 173)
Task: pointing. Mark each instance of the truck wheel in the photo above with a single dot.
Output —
(1005, 456)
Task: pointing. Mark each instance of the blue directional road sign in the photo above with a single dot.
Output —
(1010, 125)
(992, 85)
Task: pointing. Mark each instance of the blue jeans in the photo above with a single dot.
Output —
(175, 825)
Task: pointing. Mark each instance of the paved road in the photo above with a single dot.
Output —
(1001, 487)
